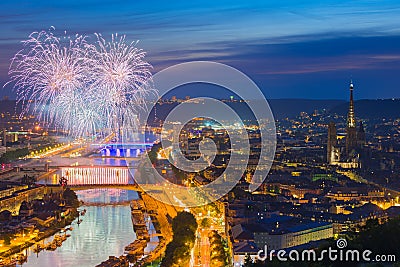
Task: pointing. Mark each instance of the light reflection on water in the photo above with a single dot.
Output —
(110, 161)
(105, 230)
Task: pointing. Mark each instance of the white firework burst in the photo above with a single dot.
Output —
(83, 88)
(46, 68)
(122, 80)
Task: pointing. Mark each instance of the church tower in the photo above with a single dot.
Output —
(351, 130)
(332, 141)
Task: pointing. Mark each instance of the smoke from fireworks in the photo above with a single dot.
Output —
(84, 88)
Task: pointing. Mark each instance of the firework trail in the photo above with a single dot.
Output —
(83, 88)
(121, 80)
(47, 67)
(74, 114)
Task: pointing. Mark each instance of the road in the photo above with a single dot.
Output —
(205, 249)
(201, 250)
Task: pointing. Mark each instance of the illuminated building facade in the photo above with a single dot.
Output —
(355, 140)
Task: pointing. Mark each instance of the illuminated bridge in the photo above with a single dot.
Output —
(123, 150)
(96, 177)
(93, 175)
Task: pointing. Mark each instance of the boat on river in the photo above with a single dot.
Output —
(38, 247)
(138, 219)
(21, 258)
(57, 242)
(8, 262)
(51, 246)
(136, 248)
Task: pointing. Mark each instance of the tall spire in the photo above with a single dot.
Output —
(351, 121)
(351, 131)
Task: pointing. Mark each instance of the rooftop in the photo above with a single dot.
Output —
(278, 224)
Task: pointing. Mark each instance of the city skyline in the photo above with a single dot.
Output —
(290, 49)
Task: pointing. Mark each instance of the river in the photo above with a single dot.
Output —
(105, 230)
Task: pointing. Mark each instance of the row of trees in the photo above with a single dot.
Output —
(218, 253)
(10, 156)
(28, 180)
(70, 197)
(184, 228)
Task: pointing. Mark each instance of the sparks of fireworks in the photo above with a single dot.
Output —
(47, 67)
(80, 87)
(122, 80)
(75, 115)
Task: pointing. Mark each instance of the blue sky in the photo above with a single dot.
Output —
(291, 49)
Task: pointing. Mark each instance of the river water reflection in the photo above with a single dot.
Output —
(105, 230)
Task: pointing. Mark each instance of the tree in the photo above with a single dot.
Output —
(381, 239)
(70, 197)
(153, 152)
(371, 224)
(7, 240)
(184, 228)
(13, 155)
(5, 216)
(217, 252)
(184, 222)
(28, 180)
(205, 223)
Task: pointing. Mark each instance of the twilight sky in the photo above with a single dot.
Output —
(290, 48)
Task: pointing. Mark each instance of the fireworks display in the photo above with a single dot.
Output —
(85, 88)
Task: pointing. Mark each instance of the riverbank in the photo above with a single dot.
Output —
(40, 236)
(161, 215)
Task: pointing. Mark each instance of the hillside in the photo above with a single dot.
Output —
(371, 109)
(288, 108)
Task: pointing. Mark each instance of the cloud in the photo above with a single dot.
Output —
(277, 40)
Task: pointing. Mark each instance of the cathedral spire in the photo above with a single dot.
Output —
(351, 121)
(351, 136)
